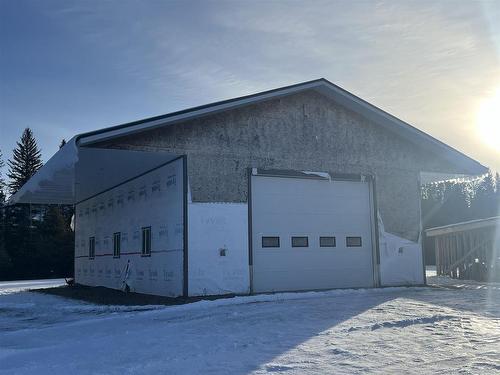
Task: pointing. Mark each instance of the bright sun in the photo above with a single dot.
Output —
(488, 121)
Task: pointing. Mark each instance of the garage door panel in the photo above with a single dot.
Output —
(297, 204)
(325, 210)
(339, 213)
(286, 207)
(307, 279)
(318, 259)
(354, 195)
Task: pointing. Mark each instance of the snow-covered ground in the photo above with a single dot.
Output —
(7, 287)
(393, 330)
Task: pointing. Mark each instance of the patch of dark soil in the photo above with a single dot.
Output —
(106, 296)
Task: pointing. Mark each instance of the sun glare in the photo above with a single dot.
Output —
(488, 121)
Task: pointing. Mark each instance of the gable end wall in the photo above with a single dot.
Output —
(304, 131)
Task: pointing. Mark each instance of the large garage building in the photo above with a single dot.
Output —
(305, 187)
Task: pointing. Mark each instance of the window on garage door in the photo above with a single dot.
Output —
(327, 241)
(272, 241)
(353, 241)
(300, 241)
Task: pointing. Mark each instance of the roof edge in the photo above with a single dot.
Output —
(200, 107)
(462, 226)
(472, 166)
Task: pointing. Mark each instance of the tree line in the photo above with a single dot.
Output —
(36, 240)
(455, 201)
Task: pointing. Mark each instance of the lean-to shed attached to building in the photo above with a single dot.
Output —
(468, 250)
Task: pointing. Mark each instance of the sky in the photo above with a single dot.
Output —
(68, 67)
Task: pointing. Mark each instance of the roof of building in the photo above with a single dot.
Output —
(464, 226)
(336, 93)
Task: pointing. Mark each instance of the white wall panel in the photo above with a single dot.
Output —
(212, 227)
(401, 260)
(154, 199)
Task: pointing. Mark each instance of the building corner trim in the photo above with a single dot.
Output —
(250, 238)
(185, 264)
(376, 244)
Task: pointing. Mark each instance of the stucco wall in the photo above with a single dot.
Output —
(305, 131)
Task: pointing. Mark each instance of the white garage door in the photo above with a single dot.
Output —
(310, 234)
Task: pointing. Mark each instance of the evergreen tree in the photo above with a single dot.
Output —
(63, 142)
(26, 160)
(57, 242)
(497, 191)
(5, 261)
(2, 181)
(483, 202)
(19, 240)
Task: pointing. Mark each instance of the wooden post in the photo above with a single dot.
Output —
(437, 252)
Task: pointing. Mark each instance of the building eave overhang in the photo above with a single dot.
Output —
(76, 173)
(464, 226)
(323, 86)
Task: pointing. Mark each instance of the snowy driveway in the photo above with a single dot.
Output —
(395, 330)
